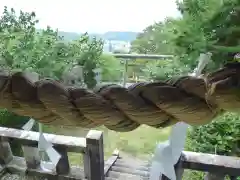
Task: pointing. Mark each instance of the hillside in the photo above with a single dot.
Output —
(111, 35)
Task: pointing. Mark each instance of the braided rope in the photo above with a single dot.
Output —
(195, 101)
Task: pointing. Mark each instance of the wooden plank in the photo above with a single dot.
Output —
(211, 163)
(130, 171)
(118, 175)
(86, 165)
(132, 166)
(179, 170)
(95, 156)
(47, 170)
(73, 144)
(179, 173)
(139, 163)
(111, 161)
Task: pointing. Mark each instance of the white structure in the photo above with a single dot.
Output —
(74, 76)
(121, 46)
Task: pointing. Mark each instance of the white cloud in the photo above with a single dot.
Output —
(96, 15)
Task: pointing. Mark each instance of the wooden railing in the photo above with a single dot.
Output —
(216, 167)
(94, 167)
(91, 147)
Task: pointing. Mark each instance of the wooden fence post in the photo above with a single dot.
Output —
(5, 151)
(94, 157)
(179, 169)
(63, 166)
(31, 155)
(86, 165)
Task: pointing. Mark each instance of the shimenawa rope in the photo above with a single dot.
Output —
(193, 100)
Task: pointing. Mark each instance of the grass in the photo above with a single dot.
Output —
(139, 143)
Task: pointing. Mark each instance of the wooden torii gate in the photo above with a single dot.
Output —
(128, 57)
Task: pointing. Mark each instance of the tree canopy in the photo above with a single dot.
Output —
(204, 26)
(23, 47)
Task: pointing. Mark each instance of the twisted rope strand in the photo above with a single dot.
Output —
(195, 101)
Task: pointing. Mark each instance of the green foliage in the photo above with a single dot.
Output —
(205, 25)
(222, 136)
(16, 121)
(193, 175)
(227, 33)
(112, 68)
(8, 119)
(219, 137)
(210, 25)
(163, 70)
(23, 47)
(86, 52)
(156, 39)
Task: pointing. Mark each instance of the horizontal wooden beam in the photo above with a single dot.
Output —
(72, 144)
(142, 56)
(211, 163)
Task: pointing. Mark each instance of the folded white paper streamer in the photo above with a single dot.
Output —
(203, 60)
(29, 125)
(168, 153)
(43, 144)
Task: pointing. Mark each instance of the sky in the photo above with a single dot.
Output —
(96, 16)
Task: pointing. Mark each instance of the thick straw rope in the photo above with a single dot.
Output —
(195, 101)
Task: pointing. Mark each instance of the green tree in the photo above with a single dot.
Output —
(87, 52)
(219, 137)
(225, 35)
(23, 47)
(112, 68)
(163, 70)
(198, 30)
(209, 25)
(156, 39)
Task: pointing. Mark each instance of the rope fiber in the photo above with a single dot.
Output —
(193, 100)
